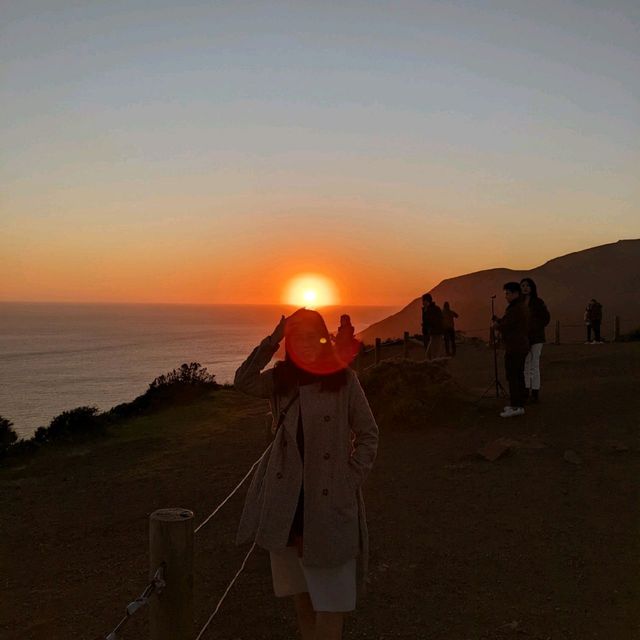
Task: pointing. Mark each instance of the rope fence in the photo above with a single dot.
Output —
(226, 591)
(158, 584)
(234, 490)
(558, 333)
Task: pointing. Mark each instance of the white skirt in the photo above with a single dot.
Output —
(330, 588)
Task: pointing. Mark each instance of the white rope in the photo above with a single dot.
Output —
(156, 585)
(213, 513)
(224, 595)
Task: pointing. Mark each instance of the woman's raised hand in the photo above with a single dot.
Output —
(278, 332)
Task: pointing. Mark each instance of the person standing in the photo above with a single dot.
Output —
(449, 330)
(432, 328)
(593, 320)
(304, 504)
(347, 345)
(514, 329)
(539, 318)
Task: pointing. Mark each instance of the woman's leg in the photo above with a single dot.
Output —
(306, 616)
(329, 625)
(536, 351)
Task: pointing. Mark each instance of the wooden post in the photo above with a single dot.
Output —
(377, 353)
(405, 345)
(557, 339)
(616, 329)
(171, 543)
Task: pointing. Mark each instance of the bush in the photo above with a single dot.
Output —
(185, 384)
(71, 425)
(188, 374)
(402, 393)
(7, 436)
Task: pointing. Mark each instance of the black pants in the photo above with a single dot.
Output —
(596, 331)
(450, 342)
(514, 369)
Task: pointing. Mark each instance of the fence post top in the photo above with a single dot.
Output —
(172, 515)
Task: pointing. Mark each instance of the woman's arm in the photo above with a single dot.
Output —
(364, 426)
(248, 377)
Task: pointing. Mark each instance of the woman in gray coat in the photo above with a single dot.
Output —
(304, 504)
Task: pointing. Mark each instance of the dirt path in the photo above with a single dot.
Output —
(528, 546)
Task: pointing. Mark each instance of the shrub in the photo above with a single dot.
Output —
(7, 435)
(402, 393)
(188, 374)
(187, 383)
(71, 425)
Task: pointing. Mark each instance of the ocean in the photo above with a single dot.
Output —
(56, 357)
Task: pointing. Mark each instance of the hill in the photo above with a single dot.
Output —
(534, 545)
(610, 273)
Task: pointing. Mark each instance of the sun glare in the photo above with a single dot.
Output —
(310, 290)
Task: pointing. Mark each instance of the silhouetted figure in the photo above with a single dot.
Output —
(432, 328)
(539, 318)
(449, 329)
(593, 320)
(347, 346)
(514, 329)
(304, 504)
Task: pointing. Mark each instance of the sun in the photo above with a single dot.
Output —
(310, 290)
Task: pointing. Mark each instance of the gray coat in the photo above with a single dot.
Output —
(341, 440)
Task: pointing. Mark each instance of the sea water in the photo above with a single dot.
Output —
(55, 356)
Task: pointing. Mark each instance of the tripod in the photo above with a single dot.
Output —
(500, 390)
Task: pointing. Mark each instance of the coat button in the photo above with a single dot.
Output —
(327, 418)
(326, 456)
(325, 492)
(279, 475)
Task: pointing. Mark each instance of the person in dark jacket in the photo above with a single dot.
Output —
(539, 318)
(432, 329)
(347, 345)
(514, 329)
(448, 325)
(593, 320)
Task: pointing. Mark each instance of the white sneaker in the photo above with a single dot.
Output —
(507, 408)
(511, 412)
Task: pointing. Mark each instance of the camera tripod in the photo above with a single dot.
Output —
(495, 383)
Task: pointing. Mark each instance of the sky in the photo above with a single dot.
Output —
(208, 152)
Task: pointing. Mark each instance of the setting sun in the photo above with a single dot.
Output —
(310, 290)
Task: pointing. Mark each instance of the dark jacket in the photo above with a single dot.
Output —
(432, 319)
(448, 316)
(514, 327)
(539, 318)
(593, 313)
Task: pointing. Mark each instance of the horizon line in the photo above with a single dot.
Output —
(191, 304)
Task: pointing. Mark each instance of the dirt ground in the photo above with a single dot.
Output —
(531, 546)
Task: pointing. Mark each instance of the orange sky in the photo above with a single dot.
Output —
(205, 153)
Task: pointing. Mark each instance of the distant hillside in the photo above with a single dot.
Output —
(610, 273)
